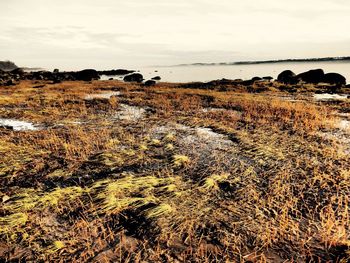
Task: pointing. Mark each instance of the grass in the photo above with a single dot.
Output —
(267, 184)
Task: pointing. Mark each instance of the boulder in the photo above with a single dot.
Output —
(56, 70)
(256, 79)
(10, 82)
(56, 81)
(135, 77)
(66, 76)
(287, 77)
(6, 127)
(115, 72)
(150, 83)
(312, 76)
(268, 78)
(17, 71)
(42, 75)
(157, 78)
(87, 75)
(334, 78)
(247, 82)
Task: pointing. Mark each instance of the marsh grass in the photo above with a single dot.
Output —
(89, 187)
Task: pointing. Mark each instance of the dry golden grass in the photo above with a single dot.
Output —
(263, 184)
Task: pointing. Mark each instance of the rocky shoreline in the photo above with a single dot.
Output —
(334, 81)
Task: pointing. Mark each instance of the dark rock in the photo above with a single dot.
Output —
(312, 76)
(67, 76)
(157, 78)
(115, 72)
(17, 71)
(135, 77)
(287, 77)
(111, 79)
(42, 75)
(56, 70)
(6, 127)
(10, 82)
(347, 86)
(39, 77)
(247, 82)
(87, 75)
(256, 79)
(150, 83)
(222, 84)
(268, 78)
(56, 81)
(334, 78)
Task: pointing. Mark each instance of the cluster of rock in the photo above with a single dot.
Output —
(8, 78)
(314, 76)
(137, 77)
(220, 83)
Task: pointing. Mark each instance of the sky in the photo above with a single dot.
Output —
(106, 34)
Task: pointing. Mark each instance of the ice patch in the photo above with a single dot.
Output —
(105, 95)
(327, 96)
(18, 125)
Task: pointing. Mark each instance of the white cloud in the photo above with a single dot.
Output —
(134, 32)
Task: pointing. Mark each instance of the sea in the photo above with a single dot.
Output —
(203, 73)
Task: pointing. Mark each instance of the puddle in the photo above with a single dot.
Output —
(18, 125)
(105, 95)
(130, 113)
(208, 149)
(328, 96)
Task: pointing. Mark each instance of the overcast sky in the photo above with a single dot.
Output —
(74, 34)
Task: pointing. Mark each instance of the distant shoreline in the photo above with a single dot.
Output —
(303, 60)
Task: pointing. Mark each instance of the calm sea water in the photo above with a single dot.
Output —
(207, 73)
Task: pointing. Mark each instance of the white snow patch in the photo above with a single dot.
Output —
(17, 125)
(208, 133)
(327, 96)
